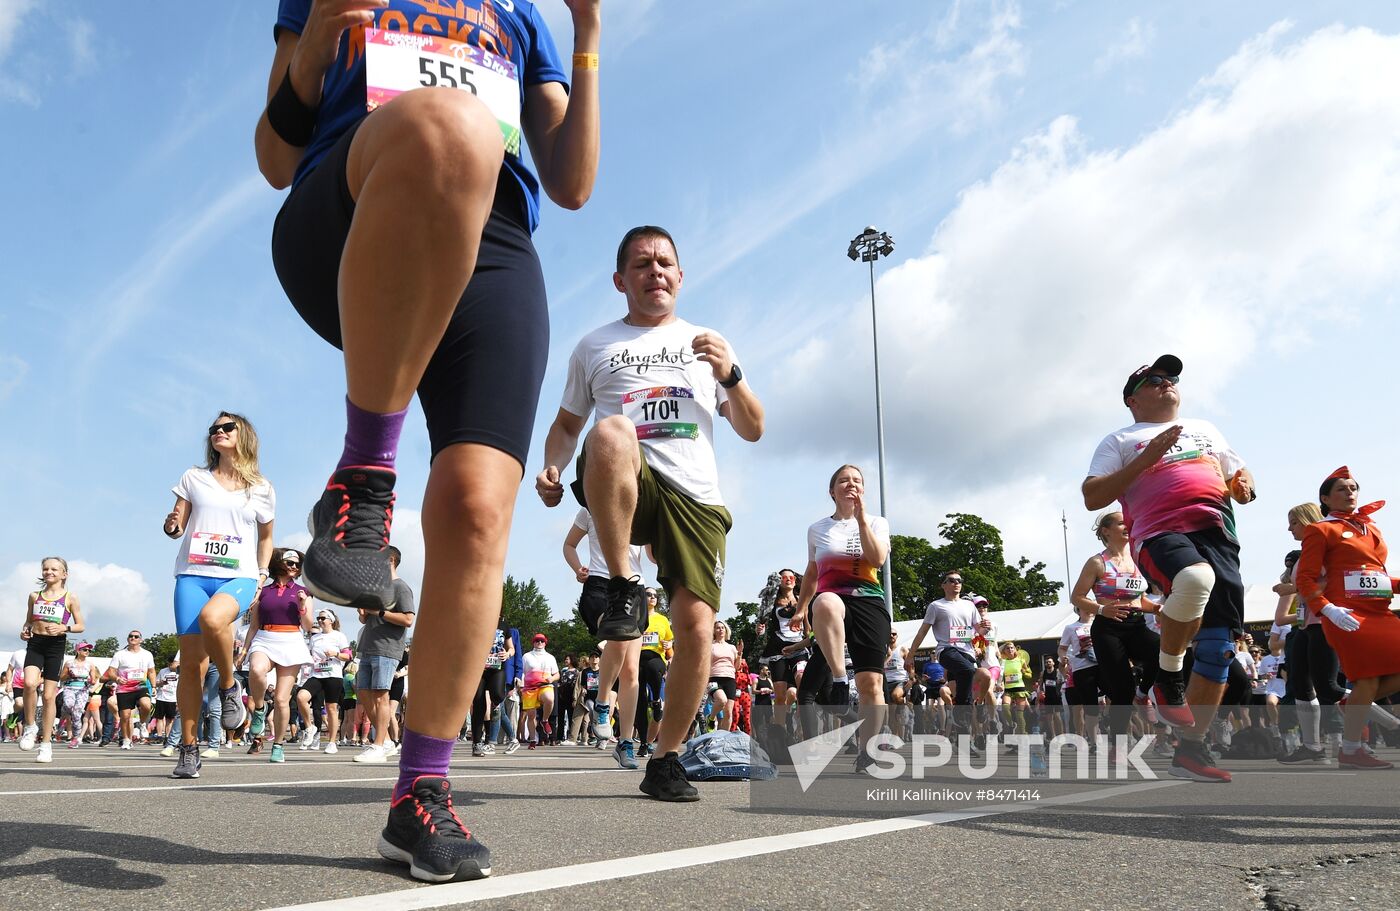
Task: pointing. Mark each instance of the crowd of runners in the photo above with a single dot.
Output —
(360, 117)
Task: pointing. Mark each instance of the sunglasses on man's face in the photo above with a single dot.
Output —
(953, 581)
(137, 638)
(1157, 380)
(226, 427)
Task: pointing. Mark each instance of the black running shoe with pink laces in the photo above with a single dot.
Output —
(348, 559)
(424, 832)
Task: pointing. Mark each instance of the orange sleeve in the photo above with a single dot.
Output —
(1310, 569)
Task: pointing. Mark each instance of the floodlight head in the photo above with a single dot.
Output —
(852, 252)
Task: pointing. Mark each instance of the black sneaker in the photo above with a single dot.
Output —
(1304, 754)
(187, 762)
(840, 706)
(424, 832)
(626, 597)
(347, 561)
(665, 780)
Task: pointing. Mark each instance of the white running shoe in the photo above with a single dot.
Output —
(372, 753)
(332, 748)
(140, 731)
(168, 752)
(26, 739)
(126, 743)
(211, 753)
(512, 747)
(391, 749)
(45, 752)
(310, 737)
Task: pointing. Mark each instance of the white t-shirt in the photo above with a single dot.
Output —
(1246, 661)
(651, 376)
(131, 668)
(835, 546)
(953, 623)
(325, 653)
(1077, 638)
(1272, 683)
(537, 666)
(166, 682)
(597, 566)
(1185, 491)
(221, 536)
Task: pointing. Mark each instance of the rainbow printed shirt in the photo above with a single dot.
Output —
(834, 545)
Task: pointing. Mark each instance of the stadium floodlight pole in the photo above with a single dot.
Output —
(1069, 581)
(868, 246)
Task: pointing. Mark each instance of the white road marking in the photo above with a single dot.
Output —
(626, 867)
(197, 785)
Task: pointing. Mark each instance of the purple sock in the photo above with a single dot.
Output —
(370, 439)
(420, 754)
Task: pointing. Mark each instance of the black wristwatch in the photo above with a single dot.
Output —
(735, 375)
(381, 615)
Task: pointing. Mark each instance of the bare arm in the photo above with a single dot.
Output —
(563, 127)
(399, 618)
(559, 446)
(264, 551)
(805, 596)
(179, 515)
(74, 608)
(744, 412)
(571, 542)
(254, 624)
(1079, 596)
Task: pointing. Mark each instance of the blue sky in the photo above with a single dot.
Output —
(1072, 189)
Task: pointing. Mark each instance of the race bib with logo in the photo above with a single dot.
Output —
(48, 611)
(1367, 583)
(662, 412)
(493, 662)
(398, 62)
(208, 549)
(961, 635)
(652, 638)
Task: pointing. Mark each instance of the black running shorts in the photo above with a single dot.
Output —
(593, 603)
(1162, 557)
(867, 632)
(483, 382)
(46, 653)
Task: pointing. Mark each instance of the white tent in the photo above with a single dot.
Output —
(1030, 624)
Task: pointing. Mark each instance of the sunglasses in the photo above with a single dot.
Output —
(137, 638)
(1157, 380)
(226, 427)
(954, 580)
(327, 619)
(290, 565)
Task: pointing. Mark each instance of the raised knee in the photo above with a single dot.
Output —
(445, 135)
(1191, 589)
(612, 434)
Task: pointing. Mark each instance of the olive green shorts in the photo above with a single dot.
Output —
(686, 538)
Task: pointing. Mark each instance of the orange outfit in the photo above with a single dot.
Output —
(1333, 549)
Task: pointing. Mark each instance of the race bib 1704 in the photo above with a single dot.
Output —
(208, 549)
(398, 62)
(662, 412)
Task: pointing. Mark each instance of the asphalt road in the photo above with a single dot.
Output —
(108, 828)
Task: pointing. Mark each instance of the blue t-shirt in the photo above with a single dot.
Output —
(935, 671)
(513, 30)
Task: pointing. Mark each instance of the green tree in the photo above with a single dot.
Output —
(105, 647)
(570, 636)
(975, 547)
(524, 607)
(162, 647)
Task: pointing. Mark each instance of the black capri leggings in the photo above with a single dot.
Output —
(493, 681)
(814, 687)
(1312, 673)
(650, 673)
(1118, 643)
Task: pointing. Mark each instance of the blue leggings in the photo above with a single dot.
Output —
(193, 592)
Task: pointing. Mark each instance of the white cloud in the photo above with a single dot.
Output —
(114, 598)
(1269, 205)
(12, 13)
(13, 370)
(81, 35)
(1132, 43)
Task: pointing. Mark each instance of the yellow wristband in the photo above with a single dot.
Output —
(586, 61)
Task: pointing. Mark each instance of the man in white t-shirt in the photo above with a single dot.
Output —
(132, 668)
(647, 473)
(1176, 479)
(538, 674)
(954, 623)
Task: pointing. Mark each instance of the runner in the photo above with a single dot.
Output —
(1082, 692)
(648, 466)
(724, 658)
(53, 612)
(382, 641)
(1342, 576)
(330, 649)
(619, 666)
(79, 677)
(657, 642)
(223, 517)
(1312, 666)
(540, 673)
(1119, 630)
(1049, 700)
(1176, 478)
(461, 318)
(1015, 678)
(782, 630)
(167, 684)
(842, 590)
(954, 623)
(280, 617)
(896, 681)
(132, 668)
(492, 684)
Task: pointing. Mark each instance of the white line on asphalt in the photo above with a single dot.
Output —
(198, 786)
(7, 770)
(626, 867)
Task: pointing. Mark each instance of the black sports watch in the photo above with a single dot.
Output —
(735, 375)
(381, 615)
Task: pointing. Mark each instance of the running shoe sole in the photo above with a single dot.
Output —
(362, 573)
(466, 869)
(668, 798)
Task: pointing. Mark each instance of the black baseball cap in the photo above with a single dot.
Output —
(1168, 364)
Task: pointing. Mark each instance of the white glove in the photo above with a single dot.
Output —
(1342, 618)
